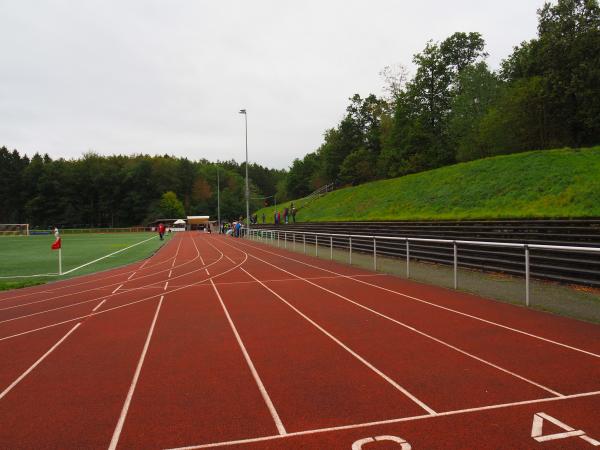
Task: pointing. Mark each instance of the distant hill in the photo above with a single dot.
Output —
(562, 183)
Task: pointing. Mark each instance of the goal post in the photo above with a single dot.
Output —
(14, 229)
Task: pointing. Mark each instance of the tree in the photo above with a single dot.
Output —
(358, 167)
(462, 50)
(299, 176)
(170, 207)
(480, 88)
(565, 58)
(516, 120)
(395, 78)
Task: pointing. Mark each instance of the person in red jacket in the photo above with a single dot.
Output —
(161, 230)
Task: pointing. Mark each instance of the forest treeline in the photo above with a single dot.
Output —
(118, 191)
(545, 95)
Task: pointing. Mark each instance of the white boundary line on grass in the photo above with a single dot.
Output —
(59, 286)
(145, 299)
(385, 422)
(107, 256)
(97, 289)
(516, 330)
(79, 267)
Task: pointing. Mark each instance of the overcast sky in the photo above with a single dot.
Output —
(157, 77)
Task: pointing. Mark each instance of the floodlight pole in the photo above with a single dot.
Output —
(243, 111)
(218, 200)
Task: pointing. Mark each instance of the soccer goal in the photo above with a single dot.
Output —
(14, 229)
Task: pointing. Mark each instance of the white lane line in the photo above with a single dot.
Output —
(145, 299)
(35, 364)
(117, 433)
(131, 276)
(145, 262)
(408, 327)
(207, 272)
(384, 422)
(166, 284)
(118, 287)
(259, 382)
(170, 273)
(99, 305)
(506, 327)
(348, 349)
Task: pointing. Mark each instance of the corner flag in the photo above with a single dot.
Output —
(57, 244)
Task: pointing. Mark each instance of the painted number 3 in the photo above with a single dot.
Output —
(403, 445)
(570, 432)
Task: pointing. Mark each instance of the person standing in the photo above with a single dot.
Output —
(293, 213)
(161, 231)
(263, 218)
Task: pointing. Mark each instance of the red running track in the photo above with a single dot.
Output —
(217, 342)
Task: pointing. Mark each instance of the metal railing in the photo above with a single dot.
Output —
(338, 240)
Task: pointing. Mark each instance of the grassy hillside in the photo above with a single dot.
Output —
(540, 184)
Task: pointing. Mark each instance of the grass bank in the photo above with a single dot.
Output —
(562, 183)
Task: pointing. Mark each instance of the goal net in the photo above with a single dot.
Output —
(14, 229)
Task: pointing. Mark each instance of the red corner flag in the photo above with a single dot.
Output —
(56, 244)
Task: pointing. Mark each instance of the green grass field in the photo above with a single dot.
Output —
(24, 258)
(561, 183)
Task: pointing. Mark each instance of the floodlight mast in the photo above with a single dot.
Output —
(218, 200)
(243, 111)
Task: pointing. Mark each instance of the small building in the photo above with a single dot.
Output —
(198, 222)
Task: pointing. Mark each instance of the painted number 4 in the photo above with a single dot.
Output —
(538, 424)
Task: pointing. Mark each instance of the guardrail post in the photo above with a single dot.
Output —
(331, 247)
(407, 259)
(285, 239)
(278, 238)
(455, 266)
(526, 275)
(350, 248)
(316, 245)
(304, 242)
(374, 253)
(294, 239)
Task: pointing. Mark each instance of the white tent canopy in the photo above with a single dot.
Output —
(179, 222)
